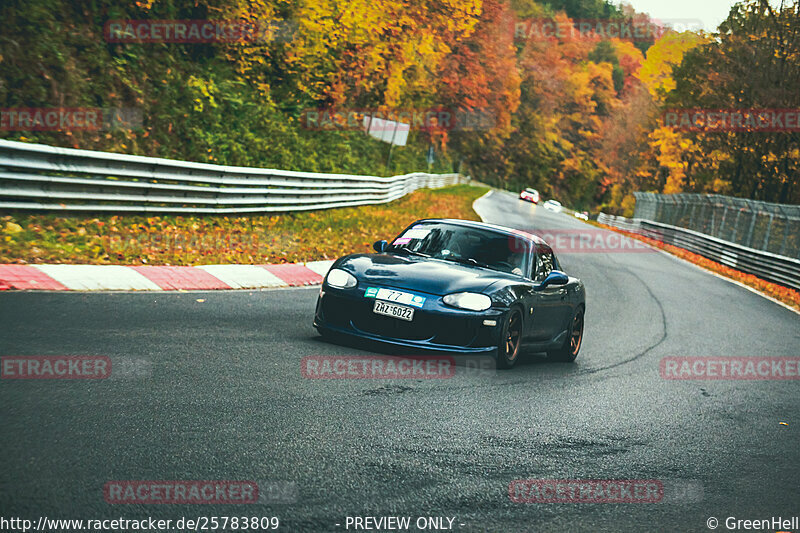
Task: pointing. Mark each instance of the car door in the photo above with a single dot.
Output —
(550, 303)
(563, 313)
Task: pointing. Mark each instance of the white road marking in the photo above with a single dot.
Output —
(320, 267)
(98, 277)
(244, 276)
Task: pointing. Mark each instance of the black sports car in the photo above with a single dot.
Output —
(457, 286)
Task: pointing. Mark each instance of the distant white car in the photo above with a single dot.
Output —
(530, 195)
(583, 215)
(553, 205)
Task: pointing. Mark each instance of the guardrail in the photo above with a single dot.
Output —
(41, 177)
(766, 226)
(765, 265)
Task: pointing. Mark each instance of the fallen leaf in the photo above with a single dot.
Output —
(12, 228)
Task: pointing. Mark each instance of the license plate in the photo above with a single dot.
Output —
(395, 311)
(394, 296)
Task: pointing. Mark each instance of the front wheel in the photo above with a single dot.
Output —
(572, 344)
(510, 339)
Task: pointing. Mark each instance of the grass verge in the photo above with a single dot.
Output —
(203, 240)
(783, 294)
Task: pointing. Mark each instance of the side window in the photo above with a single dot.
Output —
(545, 263)
(537, 266)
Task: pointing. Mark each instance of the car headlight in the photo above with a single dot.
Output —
(340, 279)
(468, 300)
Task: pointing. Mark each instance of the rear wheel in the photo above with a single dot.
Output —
(508, 348)
(572, 344)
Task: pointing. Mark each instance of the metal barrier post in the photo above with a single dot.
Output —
(766, 234)
(752, 226)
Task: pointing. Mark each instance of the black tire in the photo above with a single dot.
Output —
(509, 346)
(572, 344)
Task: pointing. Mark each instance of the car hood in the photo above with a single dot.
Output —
(431, 276)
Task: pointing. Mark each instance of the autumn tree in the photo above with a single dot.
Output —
(755, 64)
(375, 52)
(480, 79)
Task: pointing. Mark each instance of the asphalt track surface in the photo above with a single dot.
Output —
(213, 390)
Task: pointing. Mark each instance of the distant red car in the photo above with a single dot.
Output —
(530, 195)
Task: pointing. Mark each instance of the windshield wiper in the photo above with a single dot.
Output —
(410, 252)
(468, 261)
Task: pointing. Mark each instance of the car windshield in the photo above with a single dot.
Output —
(466, 245)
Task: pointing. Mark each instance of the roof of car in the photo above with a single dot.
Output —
(485, 225)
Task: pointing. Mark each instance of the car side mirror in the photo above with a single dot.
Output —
(380, 246)
(556, 277)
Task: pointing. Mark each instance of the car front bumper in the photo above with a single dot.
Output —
(435, 326)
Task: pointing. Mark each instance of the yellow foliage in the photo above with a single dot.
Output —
(656, 71)
(675, 152)
(379, 50)
(12, 228)
(628, 205)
